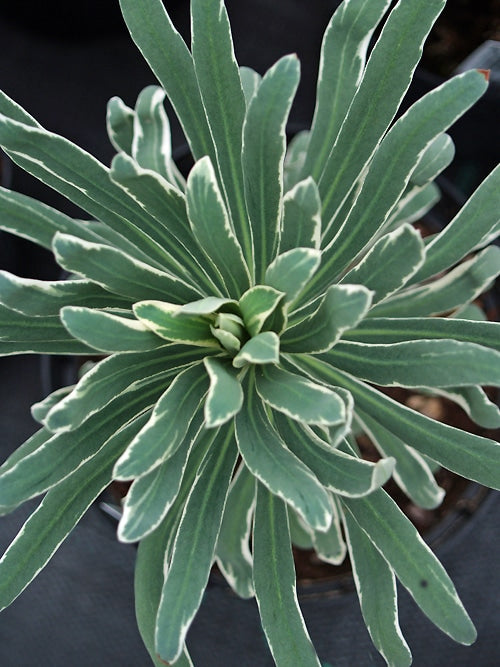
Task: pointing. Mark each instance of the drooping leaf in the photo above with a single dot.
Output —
(274, 579)
(233, 545)
(330, 546)
(268, 459)
(194, 548)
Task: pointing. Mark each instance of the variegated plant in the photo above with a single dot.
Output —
(245, 316)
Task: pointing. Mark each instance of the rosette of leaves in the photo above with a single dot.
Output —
(246, 319)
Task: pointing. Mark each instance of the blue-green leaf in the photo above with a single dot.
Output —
(225, 394)
(264, 348)
(290, 272)
(165, 320)
(301, 224)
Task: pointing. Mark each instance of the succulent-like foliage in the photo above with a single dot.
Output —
(246, 317)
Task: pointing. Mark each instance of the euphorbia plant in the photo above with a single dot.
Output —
(245, 316)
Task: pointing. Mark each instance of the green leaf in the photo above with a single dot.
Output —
(54, 519)
(83, 179)
(43, 297)
(250, 80)
(412, 473)
(394, 330)
(66, 452)
(390, 170)
(268, 459)
(475, 403)
(298, 397)
(264, 348)
(342, 307)
(475, 220)
(294, 159)
(456, 288)
(151, 496)
(40, 409)
(256, 305)
(275, 589)
(165, 320)
(412, 206)
(291, 271)
(376, 588)
(471, 456)
(342, 62)
(20, 334)
(37, 222)
(390, 263)
(233, 545)
(13, 110)
(120, 124)
(194, 547)
(264, 147)
(436, 157)
(107, 332)
(113, 376)
(337, 471)
(169, 58)
(418, 363)
(152, 144)
(167, 205)
(167, 427)
(413, 562)
(385, 80)
(330, 545)
(148, 583)
(301, 224)
(225, 395)
(207, 306)
(219, 81)
(212, 229)
(119, 272)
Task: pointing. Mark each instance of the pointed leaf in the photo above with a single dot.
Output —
(436, 157)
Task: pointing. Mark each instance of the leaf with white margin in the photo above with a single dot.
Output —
(225, 394)
(341, 308)
(107, 332)
(193, 551)
(233, 545)
(250, 80)
(411, 473)
(301, 223)
(44, 297)
(436, 157)
(339, 472)
(120, 124)
(460, 286)
(418, 363)
(206, 306)
(256, 305)
(167, 427)
(267, 457)
(275, 584)
(474, 402)
(298, 397)
(264, 348)
(165, 321)
(330, 546)
(211, 227)
(377, 593)
(291, 271)
(390, 263)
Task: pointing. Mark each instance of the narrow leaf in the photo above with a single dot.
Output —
(301, 224)
(120, 125)
(225, 394)
(275, 588)
(165, 320)
(290, 272)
